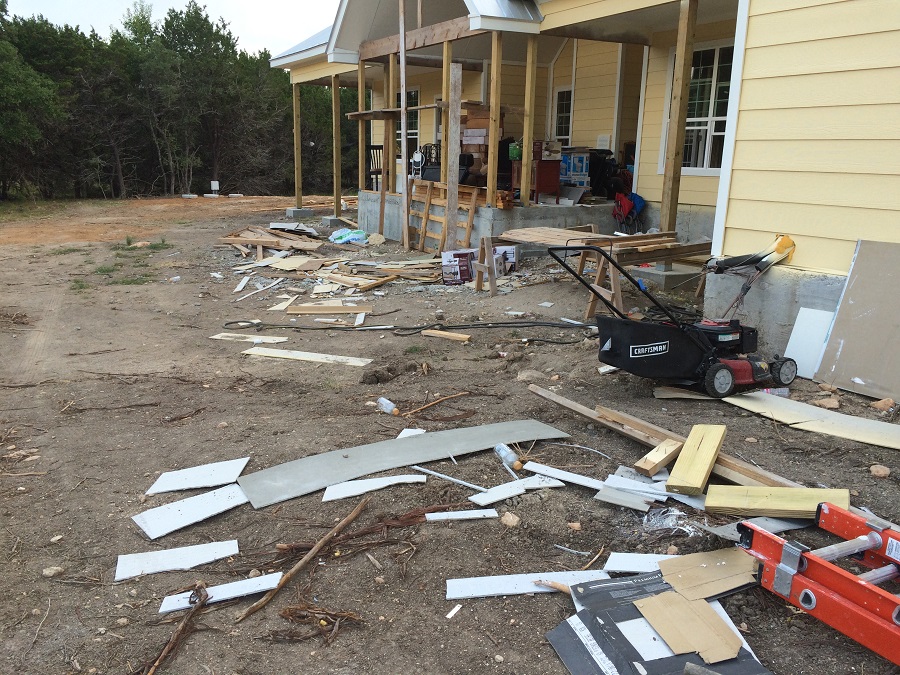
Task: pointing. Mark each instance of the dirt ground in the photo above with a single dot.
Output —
(109, 378)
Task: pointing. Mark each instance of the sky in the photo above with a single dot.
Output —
(275, 25)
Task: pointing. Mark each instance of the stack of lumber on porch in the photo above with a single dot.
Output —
(457, 234)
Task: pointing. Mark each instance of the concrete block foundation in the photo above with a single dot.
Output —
(299, 213)
(774, 300)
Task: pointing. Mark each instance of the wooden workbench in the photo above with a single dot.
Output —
(636, 249)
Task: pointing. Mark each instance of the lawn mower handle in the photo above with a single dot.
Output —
(612, 308)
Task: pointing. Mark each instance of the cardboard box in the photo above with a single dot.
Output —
(456, 266)
(506, 260)
(477, 122)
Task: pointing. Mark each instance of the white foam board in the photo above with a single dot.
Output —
(164, 519)
(236, 589)
(807, 341)
(205, 475)
(565, 476)
(184, 558)
(638, 563)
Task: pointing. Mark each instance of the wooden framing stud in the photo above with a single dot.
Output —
(494, 105)
(696, 459)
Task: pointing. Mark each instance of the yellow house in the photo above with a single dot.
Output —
(748, 118)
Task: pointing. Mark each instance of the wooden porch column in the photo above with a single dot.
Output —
(528, 137)
(494, 104)
(684, 54)
(445, 112)
(404, 131)
(361, 106)
(336, 145)
(390, 151)
(298, 170)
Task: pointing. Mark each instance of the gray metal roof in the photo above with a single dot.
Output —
(320, 39)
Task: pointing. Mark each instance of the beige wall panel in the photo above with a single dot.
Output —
(866, 122)
(856, 52)
(315, 71)
(821, 255)
(833, 189)
(826, 156)
(823, 21)
(814, 220)
(865, 87)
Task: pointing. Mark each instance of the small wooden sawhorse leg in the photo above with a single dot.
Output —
(613, 294)
(485, 265)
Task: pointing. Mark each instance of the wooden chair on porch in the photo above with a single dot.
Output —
(374, 155)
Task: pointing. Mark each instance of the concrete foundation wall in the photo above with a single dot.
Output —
(693, 222)
(774, 300)
(488, 221)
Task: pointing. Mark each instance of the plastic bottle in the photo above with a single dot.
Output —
(784, 392)
(386, 406)
(508, 456)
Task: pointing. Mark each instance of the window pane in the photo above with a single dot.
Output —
(715, 152)
(563, 115)
(694, 147)
(701, 83)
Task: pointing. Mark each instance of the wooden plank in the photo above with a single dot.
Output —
(336, 141)
(494, 129)
(684, 51)
(637, 424)
(528, 139)
(772, 501)
(727, 467)
(696, 459)
(361, 125)
(298, 170)
(426, 214)
(320, 309)
(453, 141)
(445, 31)
(447, 335)
(404, 122)
(662, 455)
(447, 59)
(379, 282)
(313, 357)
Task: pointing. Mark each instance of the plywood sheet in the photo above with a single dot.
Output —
(807, 417)
(860, 355)
(308, 474)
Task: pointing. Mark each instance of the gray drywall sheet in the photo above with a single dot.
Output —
(861, 353)
(308, 474)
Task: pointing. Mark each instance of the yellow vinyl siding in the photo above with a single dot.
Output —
(696, 190)
(595, 91)
(512, 93)
(817, 148)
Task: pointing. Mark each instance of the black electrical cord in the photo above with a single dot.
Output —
(406, 331)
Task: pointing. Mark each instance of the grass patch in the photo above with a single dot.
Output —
(160, 245)
(79, 285)
(414, 349)
(106, 269)
(65, 250)
(132, 281)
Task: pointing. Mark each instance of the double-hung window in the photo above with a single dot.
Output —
(707, 109)
(562, 127)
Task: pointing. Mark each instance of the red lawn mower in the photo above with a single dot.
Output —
(718, 355)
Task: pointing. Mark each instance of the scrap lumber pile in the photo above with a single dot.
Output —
(268, 238)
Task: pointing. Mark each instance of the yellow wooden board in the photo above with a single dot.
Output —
(662, 455)
(696, 459)
(772, 501)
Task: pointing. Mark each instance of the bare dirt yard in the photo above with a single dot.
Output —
(109, 378)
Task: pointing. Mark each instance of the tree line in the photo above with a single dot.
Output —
(158, 108)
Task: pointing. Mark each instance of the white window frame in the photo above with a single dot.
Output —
(554, 116)
(418, 134)
(689, 170)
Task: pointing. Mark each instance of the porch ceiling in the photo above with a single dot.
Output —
(639, 25)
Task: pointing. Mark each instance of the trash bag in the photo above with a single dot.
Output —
(345, 235)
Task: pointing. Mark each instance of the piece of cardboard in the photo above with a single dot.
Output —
(712, 574)
(456, 266)
(860, 355)
(690, 626)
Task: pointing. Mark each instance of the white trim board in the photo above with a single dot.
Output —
(637, 563)
(294, 355)
(309, 474)
(236, 589)
(472, 514)
(516, 584)
(565, 476)
(255, 339)
(172, 559)
(640, 121)
(353, 488)
(515, 488)
(731, 122)
(203, 476)
(164, 519)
